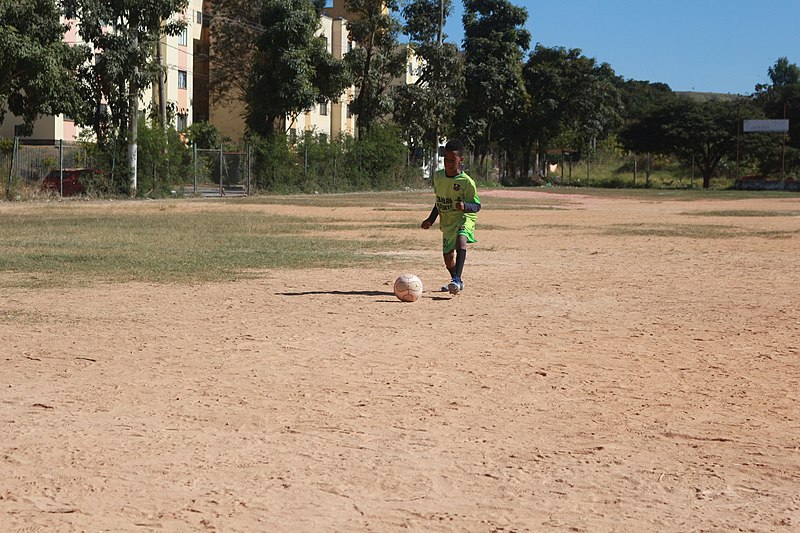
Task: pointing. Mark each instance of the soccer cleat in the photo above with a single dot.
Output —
(446, 288)
(455, 286)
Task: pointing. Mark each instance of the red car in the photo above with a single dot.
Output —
(72, 182)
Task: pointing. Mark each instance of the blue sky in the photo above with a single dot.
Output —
(723, 46)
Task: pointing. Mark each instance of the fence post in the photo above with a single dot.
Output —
(588, 161)
(61, 167)
(221, 155)
(249, 166)
(194, 169)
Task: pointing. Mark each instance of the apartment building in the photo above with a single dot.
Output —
(177, 57)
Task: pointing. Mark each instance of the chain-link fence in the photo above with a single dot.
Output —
(26, 163)
(220, 173)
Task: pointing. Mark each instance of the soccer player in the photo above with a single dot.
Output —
(457, 203)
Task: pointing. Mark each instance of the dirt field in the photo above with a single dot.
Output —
(613, 365)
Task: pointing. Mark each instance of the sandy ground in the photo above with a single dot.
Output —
(613, 365)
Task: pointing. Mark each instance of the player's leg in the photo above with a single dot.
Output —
(464, 236)
(459, 256)
(450, 265)
(449, 254)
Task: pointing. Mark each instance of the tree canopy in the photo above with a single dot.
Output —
(494, 43)
(37, 68)
(124, 35)
(292, 68)
(376, 60)
(571, 100)
(699, 132)
(425, 110)
(784, 73)
(779, 100)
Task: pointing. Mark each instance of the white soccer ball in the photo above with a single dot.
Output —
(408, 288)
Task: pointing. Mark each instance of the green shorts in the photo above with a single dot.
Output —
(449, 239)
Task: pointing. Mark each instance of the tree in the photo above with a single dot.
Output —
(234, 31)
(37, 68)
(125, 35)
(641, 97)
(781, 100)
(292, 68)
(571, 97)
(784, 73)
(426, 109)
(494, 43)
(266, 54)
(703, 132)
(376, 60)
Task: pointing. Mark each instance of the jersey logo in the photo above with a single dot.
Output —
(456, 186)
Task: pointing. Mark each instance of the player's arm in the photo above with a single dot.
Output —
(428, 222)
(468, 207)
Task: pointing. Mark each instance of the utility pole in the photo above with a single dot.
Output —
(783, 147)
(133, 110)
(162, 95)
(134, 23)
(162, 101)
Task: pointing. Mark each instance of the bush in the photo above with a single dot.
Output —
(204, 135)
(163, 160)
(313, 164)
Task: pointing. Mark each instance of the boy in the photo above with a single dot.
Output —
(458, 204)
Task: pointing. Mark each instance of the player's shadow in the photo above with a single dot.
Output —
(351, 293)
(389, 294)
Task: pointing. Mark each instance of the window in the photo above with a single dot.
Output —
(349, 46)
(182, 121)
(183, 38)
(349, 112)
(199, 17)
(323, 109)
(293, 135)
(182, 79)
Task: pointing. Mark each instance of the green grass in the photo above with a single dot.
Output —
(745, 213)
(73, 244)
(400, 201)
(692, 231)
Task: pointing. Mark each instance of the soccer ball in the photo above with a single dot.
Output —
(408, 288)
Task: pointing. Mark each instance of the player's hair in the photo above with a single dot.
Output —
(454, 145)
